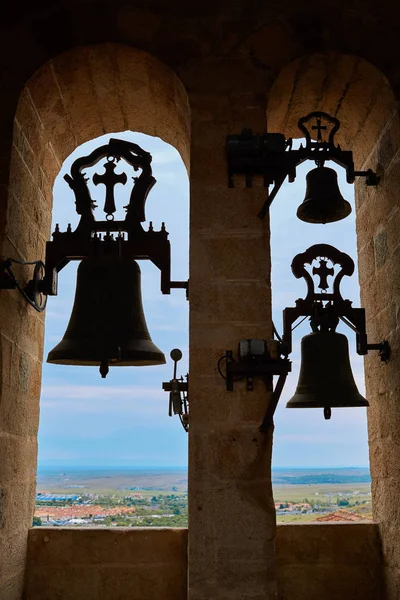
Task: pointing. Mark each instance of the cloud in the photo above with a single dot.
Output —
(316, 438)
(97, 391)
(99, 400)
(166, 157)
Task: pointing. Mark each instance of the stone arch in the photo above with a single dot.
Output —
(357, 93)
(75, 97)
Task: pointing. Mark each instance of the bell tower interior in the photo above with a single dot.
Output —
(193, 75)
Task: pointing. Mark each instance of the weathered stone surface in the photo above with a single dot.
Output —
(101, 564)
(329, 561)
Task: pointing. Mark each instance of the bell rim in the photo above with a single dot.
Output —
(111, 362)
(298, 404)
(345, 204)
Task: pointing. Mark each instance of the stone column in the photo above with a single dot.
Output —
(231, 508)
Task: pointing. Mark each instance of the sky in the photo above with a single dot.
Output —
(123, 420)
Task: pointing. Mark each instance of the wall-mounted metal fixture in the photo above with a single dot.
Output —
(326, 380)
(257, 358)
(107, 325)
(32, 292)
(272, 157)
(178, 393)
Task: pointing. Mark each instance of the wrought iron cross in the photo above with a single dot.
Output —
(319, 129)
(323, 271)
(109, 179)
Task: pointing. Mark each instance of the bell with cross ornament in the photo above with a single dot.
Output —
(107, 325)
(323, 202)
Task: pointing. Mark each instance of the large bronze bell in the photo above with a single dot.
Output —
(326, 380)
(107, 324)
(323, 202)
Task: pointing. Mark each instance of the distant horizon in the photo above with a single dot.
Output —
(181, 467)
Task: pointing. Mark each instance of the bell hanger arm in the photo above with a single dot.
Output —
(271, 196)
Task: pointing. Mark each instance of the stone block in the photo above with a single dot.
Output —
(100, 564)
(229, 257)
(345, 544)
(224, 513)
(209, 407)
(366, 262)
(217, 209)
(18, 462)
(79, 100)
(19, 413)
(22, 232)
(31, 332)
(383, 416)
(21, 184)
(103, 71)
(209, 107)
(13, 549)
(17, 504)
(381, 248)
(7, 356)
(63, 583)
(143, 24)
(231, 302)
(11, 587)
(133, 583)
(235, 453)
(28, 119)
(313, 582)
(392, 583)
(44, 92)
(97, 546)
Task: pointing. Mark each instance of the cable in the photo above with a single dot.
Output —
(219, 367)
(38, 265)
(274, 329)
(299, 323)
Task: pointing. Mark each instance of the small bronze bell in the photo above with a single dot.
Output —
(323, 202)
(326, 380)
(107, 323)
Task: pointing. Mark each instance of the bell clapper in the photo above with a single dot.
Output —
(104, 368)
(327, 412)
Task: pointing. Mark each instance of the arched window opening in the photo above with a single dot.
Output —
(108, 452)
(320, 466)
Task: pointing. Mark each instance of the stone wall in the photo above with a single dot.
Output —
(314, 561)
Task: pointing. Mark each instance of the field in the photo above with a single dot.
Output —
(117, 482)
(158, 497)
(297, 493)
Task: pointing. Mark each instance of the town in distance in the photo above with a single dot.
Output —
(158, 497)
